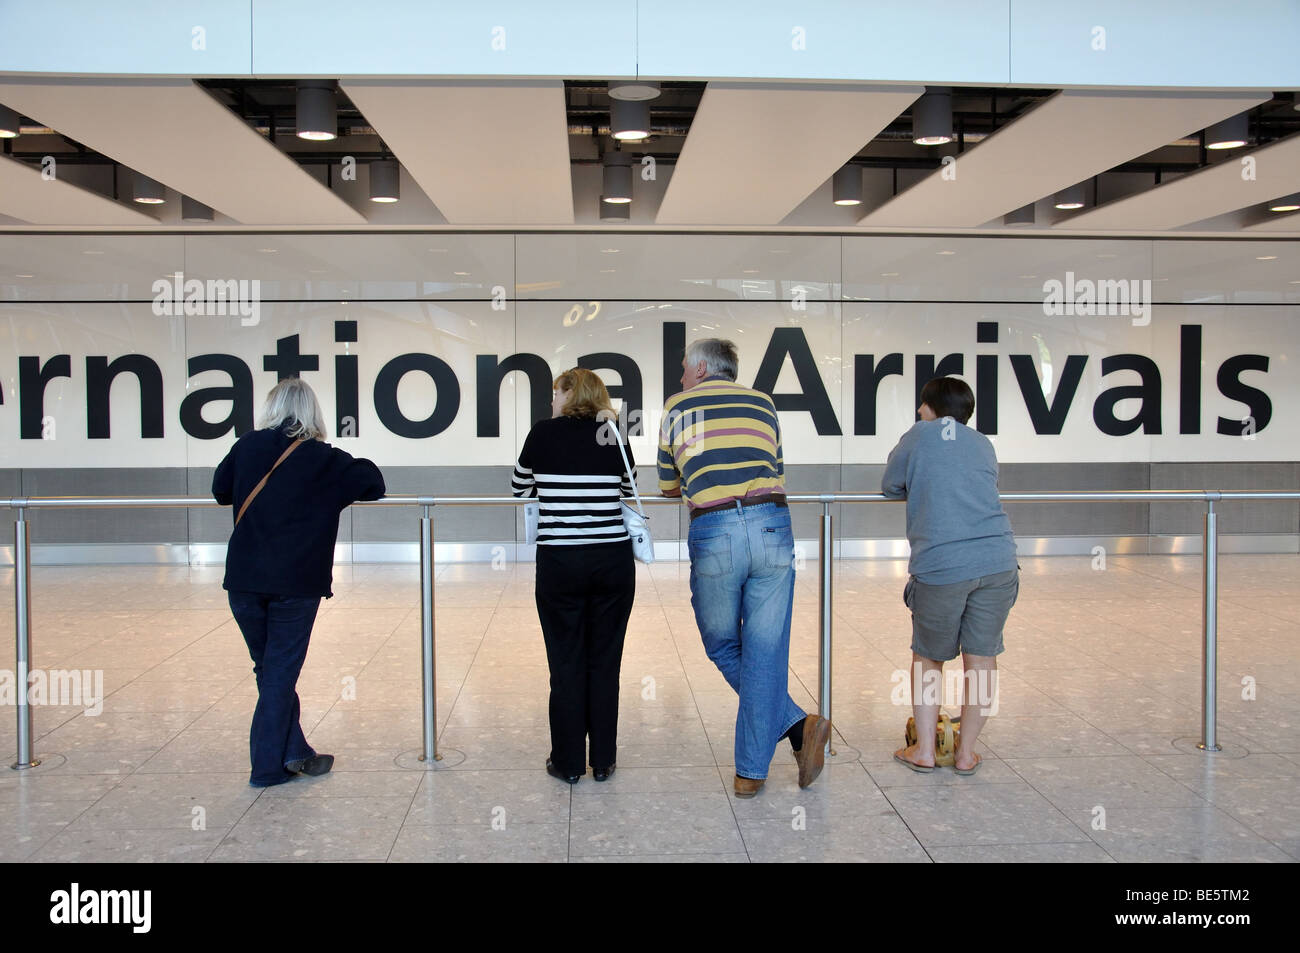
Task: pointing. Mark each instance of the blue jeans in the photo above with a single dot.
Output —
(742, 590)
(277, 629)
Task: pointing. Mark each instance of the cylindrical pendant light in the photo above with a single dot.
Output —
(633, 91)
(614, 211)
(147, 191)
(1290, 203)
(317, 110)
(846, 185)
(1071, 198)
(616, 179)
(1230, 133)
(629, 120)
(1021, 216)
(192, 210)
(8, 123)
(385, 181)
(932, 117)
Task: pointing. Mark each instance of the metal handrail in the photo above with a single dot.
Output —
(429, 753)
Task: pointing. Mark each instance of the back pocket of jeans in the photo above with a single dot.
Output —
(710, 556)
(778, 547)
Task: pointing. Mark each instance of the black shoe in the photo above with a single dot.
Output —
(602, 774)
(554, 772)
(314, 766)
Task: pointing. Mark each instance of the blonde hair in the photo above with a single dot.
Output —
(588, 396)
(293, 400)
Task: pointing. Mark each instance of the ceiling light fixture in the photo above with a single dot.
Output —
(616, 178)
(614, 211)
(1289, 204)
(385, 181)
(629, 120)
(317, 110)
(932, 117)
(1230, 133)
(1071, 198)
(846, 185)
(147, 191)
(8, 123)
(636, 92)
(192, 210)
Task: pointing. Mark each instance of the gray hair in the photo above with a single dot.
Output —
(293, 399)
(719, 357)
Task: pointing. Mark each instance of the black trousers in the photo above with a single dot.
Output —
(584, 599)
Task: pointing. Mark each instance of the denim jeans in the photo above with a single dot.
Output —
(277, 629)
(742, 590)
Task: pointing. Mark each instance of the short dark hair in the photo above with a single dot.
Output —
(949, 397)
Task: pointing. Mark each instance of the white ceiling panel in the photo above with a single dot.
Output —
(485, 153)
(754, 153)
(1070, 137)
(25, 195)
(1205, 193)
(175, 132)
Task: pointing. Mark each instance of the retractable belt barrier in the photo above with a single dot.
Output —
(825, 551)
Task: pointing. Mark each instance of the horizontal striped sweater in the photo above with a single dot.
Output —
(720, 442)
(572, 465)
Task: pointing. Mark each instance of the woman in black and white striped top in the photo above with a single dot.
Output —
(586, 577)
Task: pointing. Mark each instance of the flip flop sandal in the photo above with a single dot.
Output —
(967, 772)
(918, 768)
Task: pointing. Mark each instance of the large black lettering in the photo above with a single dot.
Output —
(867, 376)
(1231, 387)
(986, 380)
(489, 376)
(446, 401)
(347, 389)
(240, 395)
(1189, 379)
(287, 361)
(674, 353)
(32, 379)
(1048, 420)
(629, 388)
(99, 386)
(792, 343)
(1148, 415)
(926, 371)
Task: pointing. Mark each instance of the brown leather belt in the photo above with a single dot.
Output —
(776, 498)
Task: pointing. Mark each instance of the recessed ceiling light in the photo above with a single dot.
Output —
(91, 251)
(1230, 133)
(1290, 203)
(889, 274)
(1266, 257)
(268, 251)
(463, 274)
(1106, 255)
(609, 251)
(945, 253)
(24, 276)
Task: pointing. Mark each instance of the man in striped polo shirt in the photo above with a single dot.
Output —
(720, 449)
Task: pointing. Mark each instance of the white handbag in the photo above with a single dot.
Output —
(532, 513)
(634, 520)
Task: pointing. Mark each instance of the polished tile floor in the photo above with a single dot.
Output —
(1091, 756)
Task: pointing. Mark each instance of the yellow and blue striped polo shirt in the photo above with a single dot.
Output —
(720, 442)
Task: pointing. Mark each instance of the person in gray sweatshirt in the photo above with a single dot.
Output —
(963, 572)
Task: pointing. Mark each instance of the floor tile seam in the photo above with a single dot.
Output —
(410, 806)
(906, 824)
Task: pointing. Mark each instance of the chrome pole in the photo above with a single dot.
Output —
(1210, 629)
(23, 638)
(826, 569)
(429, 688)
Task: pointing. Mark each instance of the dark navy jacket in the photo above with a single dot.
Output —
(284, 545)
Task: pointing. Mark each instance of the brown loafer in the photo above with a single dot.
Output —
(747, 787)
(811, 758)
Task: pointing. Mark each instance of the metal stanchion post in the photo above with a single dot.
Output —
(427, 666)
(23, 637)
(826, 567)
(1210, 629)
